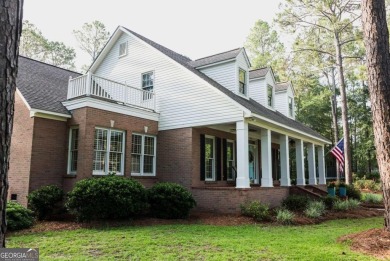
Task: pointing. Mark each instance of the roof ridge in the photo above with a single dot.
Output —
(218, 54)
(266, 67)
(55, 66)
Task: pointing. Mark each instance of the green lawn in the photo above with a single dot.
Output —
(200, 242)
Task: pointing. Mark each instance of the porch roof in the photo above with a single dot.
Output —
(42, 85)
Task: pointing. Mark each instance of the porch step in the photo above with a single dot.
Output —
(310, 191)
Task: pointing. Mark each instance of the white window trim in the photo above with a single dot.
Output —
(143, 154)
(246, 91)
(292, 106)
(273, 95)
(69, 172)
(106, 171)
(234, 158)
(213, 167)
(126, 49)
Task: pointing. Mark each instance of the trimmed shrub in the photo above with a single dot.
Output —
(372, 198)
(256, 210)
(315, 209)
(295, 202)
(329, 201)
(353, 193)
(44, 200)
(107, 197)
(284, 216)
(18, 217)
(353, 203)
(170, 200)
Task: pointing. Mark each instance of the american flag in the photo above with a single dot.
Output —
(338, 152)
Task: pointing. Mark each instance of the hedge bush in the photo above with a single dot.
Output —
(329, 201)
(295, 202)
(353, 193)
(170, 200)
(18, 217)
(107, 197)
(44, 200)
(256, 210)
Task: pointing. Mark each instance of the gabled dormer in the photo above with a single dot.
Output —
(284, 99)
(230, 69)
(262, 87)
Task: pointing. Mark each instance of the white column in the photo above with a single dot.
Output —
(266, 159)
(311, 158)
(300, 162)
(242, 180)
(284, 161)
(321, 165)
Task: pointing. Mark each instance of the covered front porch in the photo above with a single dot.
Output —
(262, 155)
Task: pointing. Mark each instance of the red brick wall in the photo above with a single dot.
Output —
(228, 200)
(20, 158)
(48, 159)
(89, 118)
(175, 162)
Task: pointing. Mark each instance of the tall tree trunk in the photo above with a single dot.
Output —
(333, 103)
(344, 112)
(10, 28)
(376, 40)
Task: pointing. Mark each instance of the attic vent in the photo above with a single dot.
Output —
(122, 49)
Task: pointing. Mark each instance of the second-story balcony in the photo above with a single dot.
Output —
(99, 87)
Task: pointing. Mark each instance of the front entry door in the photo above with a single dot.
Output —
(253, 177)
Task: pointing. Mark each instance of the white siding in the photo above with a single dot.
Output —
(183, 99)
(281, 102)
(258, 90)
(224, 74)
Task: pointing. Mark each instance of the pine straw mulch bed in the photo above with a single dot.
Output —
(195, 218)
(375, 242)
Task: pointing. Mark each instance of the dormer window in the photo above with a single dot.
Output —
(290, 106)
(242, 81)
(270, 95)
(123, 49)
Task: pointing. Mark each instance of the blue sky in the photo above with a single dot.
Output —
(193, 28)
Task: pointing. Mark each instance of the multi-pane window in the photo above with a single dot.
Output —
(109, 151)
(147, 84)
(230, 159)
(290, 106)
(73, 150)
(270, 95)
(209, 158)
(242, 81)
(143, 155)
(122, 49)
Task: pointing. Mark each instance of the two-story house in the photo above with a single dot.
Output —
(146, 112)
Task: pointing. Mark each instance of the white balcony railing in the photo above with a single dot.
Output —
(92, 85)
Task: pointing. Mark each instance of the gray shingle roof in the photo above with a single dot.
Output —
(216, 58)
(250, 104)
(258, 73)
(281, 86)
(43, 86)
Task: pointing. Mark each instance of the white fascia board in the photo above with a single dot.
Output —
(112, 107)
(215, 64)
(294, 133)
(245, 110)
(49, 115)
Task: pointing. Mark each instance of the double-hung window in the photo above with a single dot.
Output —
(290, 106)
(270, 95)
(209, 158)
(147, 84)
(242, 81)
(108, 151)
(143, 155)
(73, 150)
(230, 159)
(123, 49)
